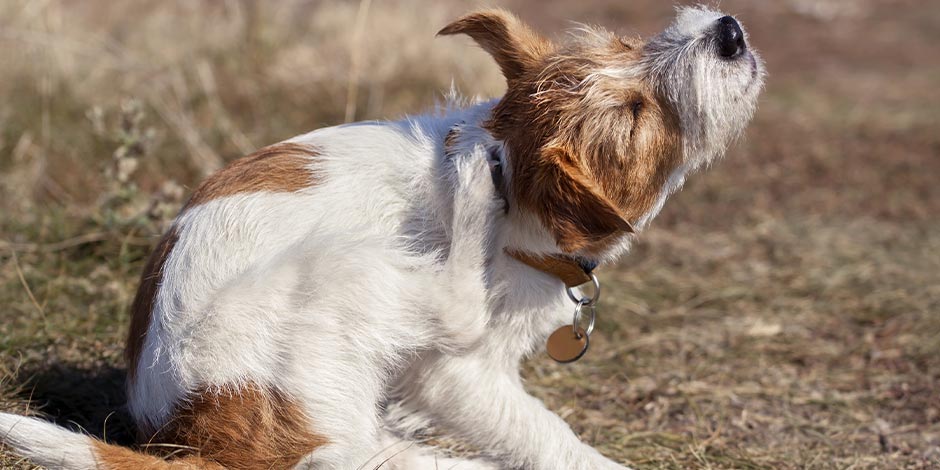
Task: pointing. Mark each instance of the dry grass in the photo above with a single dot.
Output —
(782, 313)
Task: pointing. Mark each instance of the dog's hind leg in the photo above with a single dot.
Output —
(462, 295)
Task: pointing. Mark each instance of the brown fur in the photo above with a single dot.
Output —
(143, 301)
(283, 167)
(111, 457)
(514, 46)
(279, 168)
(580, 160)
(249, 427)
(243, 428)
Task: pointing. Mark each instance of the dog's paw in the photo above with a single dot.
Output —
(475, 193)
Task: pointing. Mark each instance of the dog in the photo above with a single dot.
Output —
(327, 301)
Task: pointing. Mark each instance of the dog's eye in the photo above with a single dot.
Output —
(636, 107)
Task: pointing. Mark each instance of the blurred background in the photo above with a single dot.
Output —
(782, 312)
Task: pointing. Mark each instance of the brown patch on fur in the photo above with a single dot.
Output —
(249, 427)
(111, 457)
(142, 307)
(589, 152)
(279, 168)
(568, 202)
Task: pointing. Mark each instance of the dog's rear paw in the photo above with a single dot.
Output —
(475, 194)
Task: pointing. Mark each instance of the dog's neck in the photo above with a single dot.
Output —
(526, 239)
(572, 270)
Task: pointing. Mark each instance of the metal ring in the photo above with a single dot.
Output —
(589, 301)
(575, 322)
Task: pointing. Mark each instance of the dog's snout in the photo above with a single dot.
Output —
(730, 38)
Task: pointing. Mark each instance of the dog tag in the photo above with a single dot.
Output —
(564, 346)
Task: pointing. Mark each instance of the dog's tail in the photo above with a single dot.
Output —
(55, 447)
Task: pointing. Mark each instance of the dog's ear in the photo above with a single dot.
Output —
(571, 205)
(515, 47)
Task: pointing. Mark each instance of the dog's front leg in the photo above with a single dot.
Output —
(479, 398)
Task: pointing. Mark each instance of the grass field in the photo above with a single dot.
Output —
(783, 311)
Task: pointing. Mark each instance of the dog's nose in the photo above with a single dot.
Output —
(730, 38)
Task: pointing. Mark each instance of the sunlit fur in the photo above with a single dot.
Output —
(373, 303)
(715, 98)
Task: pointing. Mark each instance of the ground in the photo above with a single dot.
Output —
(781, 313)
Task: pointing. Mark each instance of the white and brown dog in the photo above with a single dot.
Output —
(324, 301)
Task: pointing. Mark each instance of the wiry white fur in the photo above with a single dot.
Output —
(715, 97)
(381, 298)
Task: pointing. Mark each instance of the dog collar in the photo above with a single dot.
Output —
(572, 270)
(570, 342)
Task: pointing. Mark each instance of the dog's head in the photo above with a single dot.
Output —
(600, 129)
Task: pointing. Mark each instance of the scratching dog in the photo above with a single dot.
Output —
(331, 299)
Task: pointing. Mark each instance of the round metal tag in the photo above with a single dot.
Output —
(565, 346)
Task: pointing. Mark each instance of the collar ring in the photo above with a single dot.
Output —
(586, 301)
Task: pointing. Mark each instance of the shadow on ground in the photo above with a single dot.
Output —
(79, 398)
